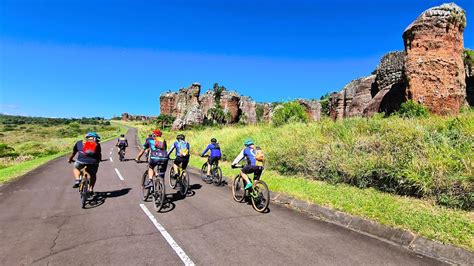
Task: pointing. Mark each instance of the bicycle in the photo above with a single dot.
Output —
(182, 179)
(258, 193)
(84, 184)
(121, 154)
(156, 190)
(216, 173)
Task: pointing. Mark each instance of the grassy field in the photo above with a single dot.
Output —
(399, 172)
(26, 144)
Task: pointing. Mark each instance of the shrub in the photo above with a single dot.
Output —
(289, 112)
(411, 109)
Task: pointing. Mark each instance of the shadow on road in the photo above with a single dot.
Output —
(101, 197)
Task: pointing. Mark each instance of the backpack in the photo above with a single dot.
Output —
(259, 155)
(183, 150)
(89, 147)
(159, 144)
(158, 148)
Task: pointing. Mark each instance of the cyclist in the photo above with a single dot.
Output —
(215, 155)
(90, 155)
(253, 165)
(158, 155)
(182, 153)
(122, 144)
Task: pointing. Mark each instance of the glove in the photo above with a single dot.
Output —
(233, 166)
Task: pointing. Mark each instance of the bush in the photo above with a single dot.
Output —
(411, 109)
(289, 112)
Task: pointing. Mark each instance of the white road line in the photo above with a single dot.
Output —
(179, 251)
(118, 173)
(111, 159)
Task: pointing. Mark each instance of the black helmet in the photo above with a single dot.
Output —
(213, 140)
(123, 135)
(180, 137)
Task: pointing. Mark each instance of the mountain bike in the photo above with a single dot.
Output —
(156, 190)
(182, 180)
(258, 193)
(84, 184)
(216, 173)
(121, 154)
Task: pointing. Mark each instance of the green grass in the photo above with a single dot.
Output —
(31, 144)
(448, 226)
(366, 167)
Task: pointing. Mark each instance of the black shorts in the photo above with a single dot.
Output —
(213, 160)
(91, 168)
(183, 161)
(253, 169)
(162, 165)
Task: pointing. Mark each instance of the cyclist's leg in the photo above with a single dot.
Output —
(185, 163)
(248, 169)
(258, 173)
(151, 169)
(209, 165)
(177, 162)
(77, 173)
(92, 170)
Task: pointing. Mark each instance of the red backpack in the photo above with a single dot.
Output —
(160, 143)
(89, 147)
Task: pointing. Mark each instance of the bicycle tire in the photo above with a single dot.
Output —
(262, 200)
(84, 191)
(145, 191)
(158, 194)
(172, 181)
(204, 173)
(183, 190)
(121, 156)
(217, 176)
(238, 191)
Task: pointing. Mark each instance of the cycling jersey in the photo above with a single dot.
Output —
(247, 153)
(215, 150)
(155, 153)
(122, 142)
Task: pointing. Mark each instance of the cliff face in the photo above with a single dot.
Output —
(431, 71)
(434, 64)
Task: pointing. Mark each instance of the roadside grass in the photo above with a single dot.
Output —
(421, 147)
(421, 217)
(34, 145)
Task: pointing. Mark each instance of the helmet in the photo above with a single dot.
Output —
(92, 135)
(122, 135)
(180, 137)
(213, 140)
(157, 132)
(248, 142)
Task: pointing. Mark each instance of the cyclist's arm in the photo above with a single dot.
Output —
(99, 153)
(239, 158)
(206, 150)
(126, 143)
(74, 151)
(171, 150)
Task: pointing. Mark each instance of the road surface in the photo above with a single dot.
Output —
(41, 223)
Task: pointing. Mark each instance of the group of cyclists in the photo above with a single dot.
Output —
(90, 155)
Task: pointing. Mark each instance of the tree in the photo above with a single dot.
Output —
(289, 112)
(164, 121)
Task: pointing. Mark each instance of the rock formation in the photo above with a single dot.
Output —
(129, 117)
(248, 109)
(353, 99)
(469, 67)
(312, 107)
(434, 64)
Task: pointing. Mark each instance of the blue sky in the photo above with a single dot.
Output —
(102, 58)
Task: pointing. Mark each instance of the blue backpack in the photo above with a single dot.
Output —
(182, 149)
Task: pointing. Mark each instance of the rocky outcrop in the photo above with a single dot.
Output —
(353, 99)
(186, 106)
(312, 107)
(248, 109)
(434, 65)
(469, 67)
(129, 117)
(388, 91)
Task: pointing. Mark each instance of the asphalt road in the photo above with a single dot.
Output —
(41, 223)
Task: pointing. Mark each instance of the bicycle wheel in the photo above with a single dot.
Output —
(260, 196)
(158, 194)
(183, 190)
(172, 181)
(238, 191)
(121, 155)
(217, 176)
(204, 173)
(145, 191)
(84, 190)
